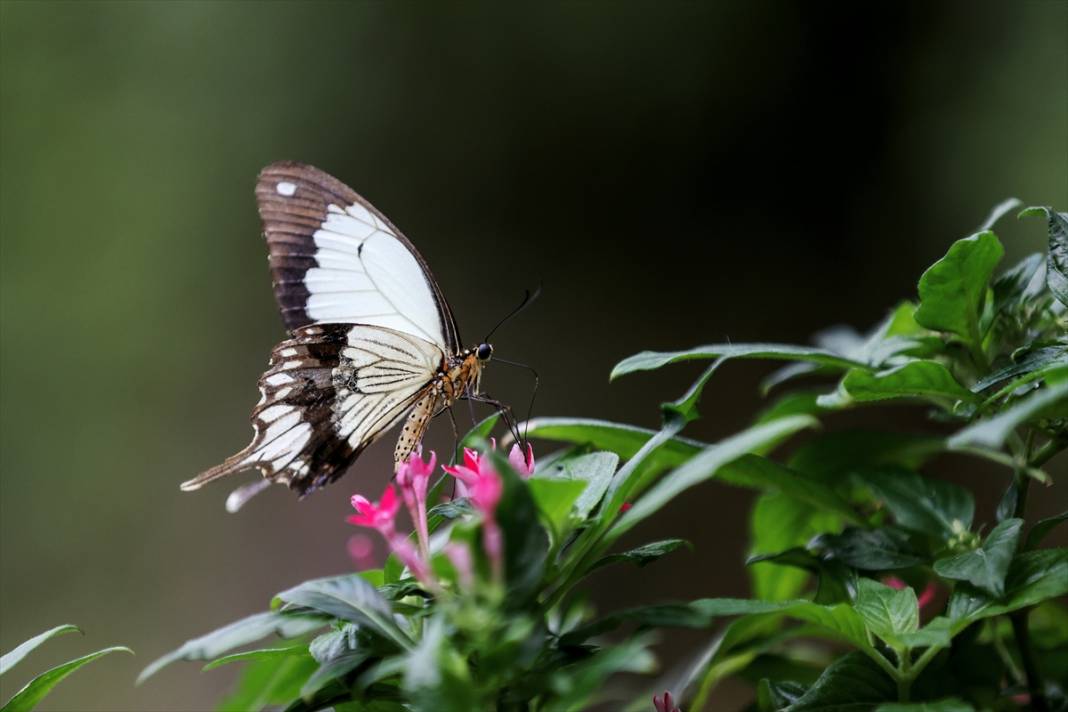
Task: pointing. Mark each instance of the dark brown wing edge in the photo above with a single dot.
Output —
(289, 222)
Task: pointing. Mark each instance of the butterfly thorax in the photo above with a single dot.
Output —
(458, 376)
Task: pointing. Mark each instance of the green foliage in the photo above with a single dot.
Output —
(873, 584)
(38, 688)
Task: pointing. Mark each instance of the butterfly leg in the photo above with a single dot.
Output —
(504, 410)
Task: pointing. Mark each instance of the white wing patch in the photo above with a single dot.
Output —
(380, 375)
(365, 275)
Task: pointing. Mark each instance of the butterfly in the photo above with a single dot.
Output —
(372, 343)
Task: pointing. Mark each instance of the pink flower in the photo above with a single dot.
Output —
(413, 477)
(469, 472)
(361, 549)
(483, 487)
(381, 516)
(377, 516)
(665, 703)
(460, 556)
(522, 462)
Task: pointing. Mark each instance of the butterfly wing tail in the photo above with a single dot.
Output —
(232, 465)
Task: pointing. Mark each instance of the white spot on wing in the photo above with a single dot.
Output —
(286, 188)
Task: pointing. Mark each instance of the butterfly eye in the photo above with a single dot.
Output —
(484, 352)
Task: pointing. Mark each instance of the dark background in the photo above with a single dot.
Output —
(671, 173)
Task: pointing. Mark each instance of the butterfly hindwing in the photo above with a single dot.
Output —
(329, 392)
(335, 259)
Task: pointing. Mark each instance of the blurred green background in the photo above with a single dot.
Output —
(672, 173)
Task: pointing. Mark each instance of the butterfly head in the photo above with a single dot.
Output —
(484, 352)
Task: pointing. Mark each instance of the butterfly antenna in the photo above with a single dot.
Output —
(528, 299)
(533, 395)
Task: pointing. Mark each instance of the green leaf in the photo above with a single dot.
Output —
(11, 659)
(576, 686)
(39, 687)
(242, 632)
(595, 470)
(831, 456)
(993, 432)
(526, 544)
(777, 523)
(915, 379)
(1034, 576)
(705, 465)
(851, 683)
(650, 360)
(795, 403)
(936, 634)
(685, 407)
(999, 211)
(1033, 361)
(1043, 527)
(1057, 259)
(987, 566)
(887, 612)
(839, 620)
(555, 498)
(883, 549)
(645, 554)
(769, 476)
(260, 654)
(269, 682)
(952, 289)
(951, 704)
(935, 507)
(624, 440)
(350, 598)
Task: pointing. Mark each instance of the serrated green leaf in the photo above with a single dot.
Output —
(1036, 360)
(852, 682)
(38, 688)
(1057, 258)
(650, 360)
(935, 507)
(938, 633)
(987, 566)
(888, 613)
(952, 289)
(1034, 576)
(350, 598)
(12, 658)
(705, 465)
(916, 379)
(242, 632)
(993, 432)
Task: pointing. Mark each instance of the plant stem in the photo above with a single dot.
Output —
(1027, 657)
(1019, 618)
(904, 682)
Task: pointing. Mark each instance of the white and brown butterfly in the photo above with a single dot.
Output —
(373, 341)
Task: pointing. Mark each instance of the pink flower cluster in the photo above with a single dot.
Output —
(476, 479)
(665, 703)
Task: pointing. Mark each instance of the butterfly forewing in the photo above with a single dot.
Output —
(335, 259)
